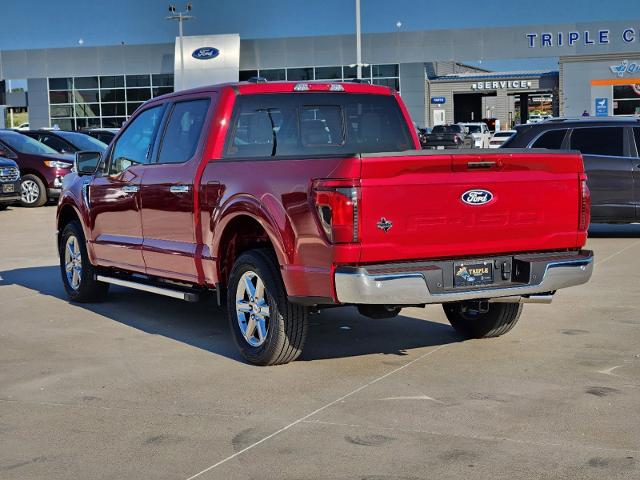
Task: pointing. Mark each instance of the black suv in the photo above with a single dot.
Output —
(63, 141)
(610, 148)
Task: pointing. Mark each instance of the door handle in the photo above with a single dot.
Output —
(130, 189)
(179, 189)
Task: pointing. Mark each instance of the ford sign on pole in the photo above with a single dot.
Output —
(205, 53)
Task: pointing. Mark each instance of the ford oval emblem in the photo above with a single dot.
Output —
(205, 53)
(477, 197)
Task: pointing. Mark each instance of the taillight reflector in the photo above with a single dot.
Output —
(337, 203)
(585, 205)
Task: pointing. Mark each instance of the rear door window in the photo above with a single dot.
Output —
(636, 134)
(551, 139)
(607, 141)
(183, 131)
(315, 124)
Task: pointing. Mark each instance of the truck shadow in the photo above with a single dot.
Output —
(333, 333)
(606, 230)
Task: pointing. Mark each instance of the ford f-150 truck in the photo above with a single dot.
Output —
(284, 198)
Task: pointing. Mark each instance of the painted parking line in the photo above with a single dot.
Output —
(318, 410)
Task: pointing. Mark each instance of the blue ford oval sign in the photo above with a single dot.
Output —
(205, 53)
(477, 197)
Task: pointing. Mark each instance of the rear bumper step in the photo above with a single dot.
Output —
(540, 275)
(146, 287)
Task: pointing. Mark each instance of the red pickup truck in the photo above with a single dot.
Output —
(286, 197)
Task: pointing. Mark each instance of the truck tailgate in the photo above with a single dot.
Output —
(413, 204)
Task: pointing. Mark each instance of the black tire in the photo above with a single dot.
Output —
(498, 320)
(3, 206)
(89, 289)
(287, 322)
(41, 197)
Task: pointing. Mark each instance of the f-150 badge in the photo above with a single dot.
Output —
(385, 224)
(477, 197)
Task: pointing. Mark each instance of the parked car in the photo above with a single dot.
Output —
(500, 137)
(23, 126)
(63, 141)
(105, 135)
(42, 168)
(449, 136)
(537, 118)
(610, 148)
(9, 182)
(480, 133)
(422, 134)
(312, 195)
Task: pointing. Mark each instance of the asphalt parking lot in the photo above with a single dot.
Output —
(150, 387)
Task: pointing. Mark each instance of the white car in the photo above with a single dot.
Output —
(537, 118)
(500, 137)
(23, 126)
(480, 133)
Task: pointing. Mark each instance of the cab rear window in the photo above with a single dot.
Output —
(315, 124)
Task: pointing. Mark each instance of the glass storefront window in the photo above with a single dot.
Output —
(351, 72)
(273, 75)
(58, 111)
(385, 70)
(112, 81)
(157, 91)
(298, 74)
(64, 123)
(85, 82)
(85, 96)
(60, 97)
(328, 73)
(138, 94)
(112, 95)
(138, 81)
(115, 122)
(247, 74)
(388, 82)
(113, 109)
(60, 83)
(87, 109)
(162, 80)
(132, 107)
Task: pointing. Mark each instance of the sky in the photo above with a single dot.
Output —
(65, 23)
(62, 23)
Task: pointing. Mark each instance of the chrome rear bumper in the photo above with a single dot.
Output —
(423, 283)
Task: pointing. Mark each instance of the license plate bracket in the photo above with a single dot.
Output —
(472, 273)
(8, 188)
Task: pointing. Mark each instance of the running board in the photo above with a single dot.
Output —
(145, 287)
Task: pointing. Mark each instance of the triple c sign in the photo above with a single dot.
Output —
(586, 37)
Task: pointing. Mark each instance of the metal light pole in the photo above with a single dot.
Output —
(180, 17)
(358, 43)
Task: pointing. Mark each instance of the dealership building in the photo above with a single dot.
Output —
(598, 72)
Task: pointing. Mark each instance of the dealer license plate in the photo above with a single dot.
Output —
(8, 188)
(471, 274)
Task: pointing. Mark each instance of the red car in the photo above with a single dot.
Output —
(42, 168)
(286, 197)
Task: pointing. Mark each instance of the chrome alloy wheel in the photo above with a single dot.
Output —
(252, 309)
(30, 191)
(73, 262)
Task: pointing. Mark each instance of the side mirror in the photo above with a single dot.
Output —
(86, 163)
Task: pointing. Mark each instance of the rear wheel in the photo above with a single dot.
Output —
(78, 275)
(473, 320)
(3, 206)
(267, 328)
(33, 191)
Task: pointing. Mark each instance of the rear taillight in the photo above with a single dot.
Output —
(337, 203)
(585, 204)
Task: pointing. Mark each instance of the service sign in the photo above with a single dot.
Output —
(502, 85)
(205, 53)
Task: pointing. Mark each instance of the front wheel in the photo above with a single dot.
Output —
(267, 328)
(472, 320)
(78, 275)
(33, 191)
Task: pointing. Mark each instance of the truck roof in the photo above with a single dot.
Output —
(245, 88)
